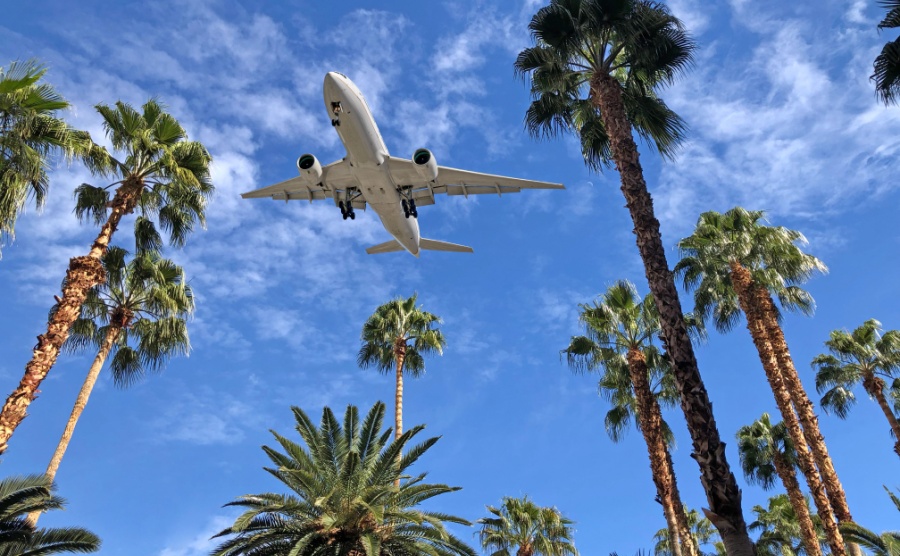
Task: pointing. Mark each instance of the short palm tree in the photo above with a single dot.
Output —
(885, 544)
(887, 64)
(31, 132)
(139, 316)
(342, 499)
(20, 496)
(735, 263)
(395, 339)
(767, 453)
(780, 531)
(165, 178)
(620, 330)
(531, 530)
(702, 532)
(863, 356)
(594, 70)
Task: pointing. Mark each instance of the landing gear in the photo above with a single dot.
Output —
(409, 208)
(335, 122)
(347, 210)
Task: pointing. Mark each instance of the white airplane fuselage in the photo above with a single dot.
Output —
(368, 158)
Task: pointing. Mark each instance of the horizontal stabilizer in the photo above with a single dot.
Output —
(386, 247)
(434, 245)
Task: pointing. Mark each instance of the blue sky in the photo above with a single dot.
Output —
(782, 116)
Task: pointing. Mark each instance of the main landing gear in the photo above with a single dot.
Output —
(409, 208)
(347, 210)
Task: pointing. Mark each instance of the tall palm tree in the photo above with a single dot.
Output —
(767, 452)
(531, 530)
(732, 262)
(703, 534)
(620, 329)
(862, 356)
(594, 70)
(395, 339)
(164, 177)
(138, 315)
(887, 64)
(781, 533)
(20, 496)
(342, 498)
(31, 132)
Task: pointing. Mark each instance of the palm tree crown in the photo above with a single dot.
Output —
(520, 524)
(343, 501)
(702, 532)
(759, 445)
(20, 496)
(779, 528)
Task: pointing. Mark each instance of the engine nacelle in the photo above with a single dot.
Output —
(309, 168)
(425, 164)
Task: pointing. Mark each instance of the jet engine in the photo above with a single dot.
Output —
(309, 168)
(425, 164)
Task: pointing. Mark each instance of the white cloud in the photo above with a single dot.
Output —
(200, 544)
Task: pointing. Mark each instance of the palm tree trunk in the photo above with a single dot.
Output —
(399, 356)
(651, 429)
(719, 483)
(80, 403)
(805, 410)
(688, 541)
(875, 387)
(807, 530)
(744, 287)
(83, 274)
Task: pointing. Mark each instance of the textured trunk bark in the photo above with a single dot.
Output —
(808, 531)
(689, 543)
(722, 492)
(875, 387)
(746, 291)
(525, 550)
(83, 274)
(805, 411)
(650, 418)
(80, 403)
(399, 356)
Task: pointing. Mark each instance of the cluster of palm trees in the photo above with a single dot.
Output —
(595, 69)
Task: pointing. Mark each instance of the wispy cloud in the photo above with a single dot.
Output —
(200, 543)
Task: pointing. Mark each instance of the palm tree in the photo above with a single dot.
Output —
(885, 544)
(620, 329)
(594, 69)
(732, 262)
(531, 530)
(702, 533)
(138, 315)
(395, 339)
(767, 452)
(342, 498)
(866, 356)
(163, 176)
(30, 133)
(20, 496)
(781, 533)
(887, 64)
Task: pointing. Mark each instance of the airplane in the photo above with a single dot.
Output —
(394, 187)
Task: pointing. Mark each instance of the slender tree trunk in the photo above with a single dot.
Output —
(691, 547)
(80, 403)
(875, 387)
(807, 530)
(83, 274)
(743, 285)
(805, 411)
(525, 550)
(651, 429)
(399, 356)
(719, 483)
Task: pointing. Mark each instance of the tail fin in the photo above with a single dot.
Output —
(386, 247)
(435, 245)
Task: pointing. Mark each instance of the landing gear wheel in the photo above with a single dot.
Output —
(344, 212)
(352, 216)
(335, 122)
(405, 206)
(412, 209)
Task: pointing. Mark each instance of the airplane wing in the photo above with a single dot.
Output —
(336, 178)
(453, 181)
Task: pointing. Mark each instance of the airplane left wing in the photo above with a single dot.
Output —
(453, 181)
(335, 179)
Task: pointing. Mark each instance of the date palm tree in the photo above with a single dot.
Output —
(20, 496)
(31, 132)
(767, 453)
(703, 533)
(780, 531)
(887, 64)
(160, 174)
(531, 530)
(620, 329)
(395, 339)
(862, 356)
(139, 316)
(594, 70)
(342, 498)
(734, 263)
